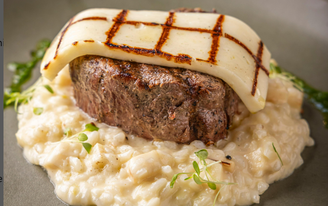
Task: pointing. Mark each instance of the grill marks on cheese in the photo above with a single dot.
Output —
(166, 31)
(256, 58)
(259, 58)
(61, 39)
(216, 33)
(120, 19)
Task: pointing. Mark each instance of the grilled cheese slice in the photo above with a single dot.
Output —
(215, 44)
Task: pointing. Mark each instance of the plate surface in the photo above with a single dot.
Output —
(295, 31)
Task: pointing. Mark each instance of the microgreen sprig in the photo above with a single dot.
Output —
(22, 73)
(81, 137)
(37, 110)
(24, 97)
(48, 88)
(90, 127)
(196, 176)
(274, 148)
(68, 132)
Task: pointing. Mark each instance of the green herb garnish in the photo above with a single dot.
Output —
(37, 110)
(87, 146)
(49, 88)
(16, 98)
(202, 155)
(217, 195)
(22, 73)
(68, 132)
(274, 148)
(318, 98)
(90, 127)
(81, 137)
(196, 176)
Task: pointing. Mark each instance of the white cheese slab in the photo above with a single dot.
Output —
(214, 44)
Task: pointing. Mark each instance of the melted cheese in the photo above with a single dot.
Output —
(215, 44)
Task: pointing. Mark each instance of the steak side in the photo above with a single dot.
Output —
(154, 102)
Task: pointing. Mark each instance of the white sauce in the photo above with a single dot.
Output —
(138, 172)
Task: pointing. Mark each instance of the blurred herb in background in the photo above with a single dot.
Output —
(22, 73)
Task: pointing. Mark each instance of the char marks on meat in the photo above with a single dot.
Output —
(154, 102)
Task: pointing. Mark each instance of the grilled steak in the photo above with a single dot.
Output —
(154, 102)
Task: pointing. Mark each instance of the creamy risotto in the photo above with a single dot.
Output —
(127, 170)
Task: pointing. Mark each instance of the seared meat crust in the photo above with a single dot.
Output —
(154, 102)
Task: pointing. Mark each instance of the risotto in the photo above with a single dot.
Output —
(127, 170)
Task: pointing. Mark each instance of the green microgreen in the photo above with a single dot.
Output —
(90, 127)
(48, 88)
(197, 179)
(211, 185)
(81, 137)
(37, 110)
(174, 178)
(196, 167)
(196, 176)
(68, 132)
(16, 98)
(217, 195)
(87, 146)
(274, 148)
(202, 155)
(22, 73)
(187, 178)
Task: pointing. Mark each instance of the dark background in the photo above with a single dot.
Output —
(295, 32)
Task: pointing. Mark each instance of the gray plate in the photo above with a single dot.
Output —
(296, 33)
